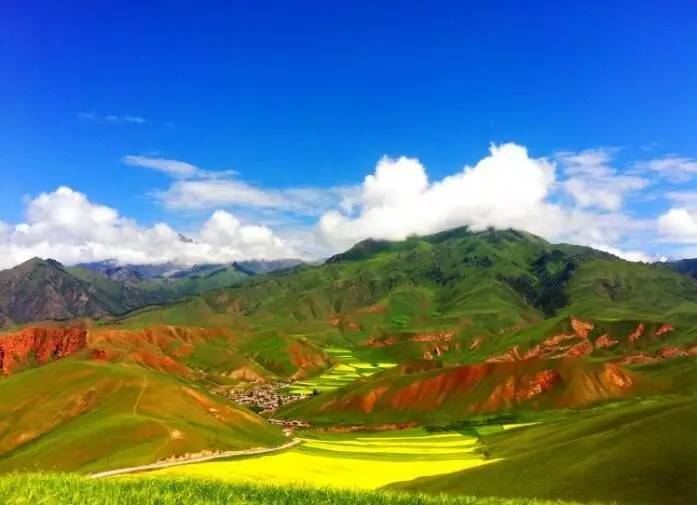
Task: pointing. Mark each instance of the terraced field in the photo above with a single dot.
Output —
(349, 369)
(347, 460)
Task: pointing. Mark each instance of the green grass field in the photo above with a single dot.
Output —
(643, 452)
(347, 460)
(47, 489)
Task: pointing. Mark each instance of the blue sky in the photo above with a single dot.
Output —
(302, 100)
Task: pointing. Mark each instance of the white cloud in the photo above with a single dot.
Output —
(678, 225)
(684, 199)
(508, 188)
(673, 167)
(112, 118)
(135, 119)
(592, 182)
(172, 167)
(66, 226)
(198, 189)
(631, 255)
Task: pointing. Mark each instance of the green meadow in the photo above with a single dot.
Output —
(43, 489)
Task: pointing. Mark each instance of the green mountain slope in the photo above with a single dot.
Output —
(44, 290)
(75, 414)
(39, 290)
(643, 453)
(491, 290)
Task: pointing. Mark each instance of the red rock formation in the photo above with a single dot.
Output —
(368, 401)
(636, 359)
(604, 341)
(558, 339)
(39, 345)
(615, 375)
(541, 383)
(381, 342)
(556, 346)
(512, 354)
(581, 349)
(670, 352)
(634, 336)
(667, 352)
(307, 359)
(436, 336)
(666, 328)
(582, 328)
(426, 336)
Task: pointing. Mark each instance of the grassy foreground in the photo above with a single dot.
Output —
(46, 489)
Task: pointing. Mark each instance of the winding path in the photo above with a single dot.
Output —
(200, 459)
(140, 396)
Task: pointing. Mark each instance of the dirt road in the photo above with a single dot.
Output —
(201, 459)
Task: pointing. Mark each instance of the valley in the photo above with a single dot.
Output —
(492, 365)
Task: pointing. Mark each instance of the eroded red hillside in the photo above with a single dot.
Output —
(38, 346)
(454, 392)
(580, 339)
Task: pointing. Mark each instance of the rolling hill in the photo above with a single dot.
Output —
(437, 331)
(637, 453)
(92, 415)
(460, 296)
(431, 394)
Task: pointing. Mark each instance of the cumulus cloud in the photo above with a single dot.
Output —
(678, 225)
(66, 226)
(505, 189)
(592, 182)
(631, 255)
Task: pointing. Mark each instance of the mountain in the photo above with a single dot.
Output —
(491, 290)
(684, 266)
(444, 331)
(127, 273)
(137, 273)
(43, 289)
(40, 290)
(255, 267)
(486, 303)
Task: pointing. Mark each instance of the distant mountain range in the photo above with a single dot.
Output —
(40, 290)
(685, 266)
